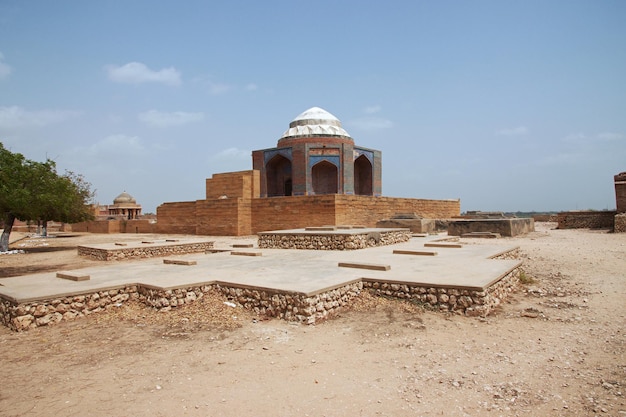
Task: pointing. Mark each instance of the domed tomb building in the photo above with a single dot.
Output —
(317, 156)
(124, 206)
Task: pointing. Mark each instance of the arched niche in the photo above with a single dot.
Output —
(363, 176)
(278, 176)
(324, 178)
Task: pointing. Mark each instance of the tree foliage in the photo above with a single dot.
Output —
(31, 190)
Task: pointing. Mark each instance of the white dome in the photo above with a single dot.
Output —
(315, 122)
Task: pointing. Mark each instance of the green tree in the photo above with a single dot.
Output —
(31, 190)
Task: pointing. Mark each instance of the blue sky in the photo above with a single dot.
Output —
(507, 105)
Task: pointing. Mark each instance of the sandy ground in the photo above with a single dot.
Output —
(557, 347)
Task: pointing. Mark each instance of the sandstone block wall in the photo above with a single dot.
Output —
(177, 218)
(242, 184)
(278, 213)
(367, 210)
(586, 220)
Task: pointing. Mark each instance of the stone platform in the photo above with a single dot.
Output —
(143, 249)
(292, 284)
(505, 226)
(333, 238)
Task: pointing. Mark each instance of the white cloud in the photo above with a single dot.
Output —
(371, 123)
(372, 109)
(15, 116)
(155, 118)
(514, 131)
(136, 73)
(252, 87)
(5, 69)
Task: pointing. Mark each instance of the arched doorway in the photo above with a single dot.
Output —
(362, 176)
(278, 176)
(324, 178)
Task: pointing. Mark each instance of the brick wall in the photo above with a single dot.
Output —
(278, 213)
(177, 218)
(228, 217)
(367, 210)
(242, 184)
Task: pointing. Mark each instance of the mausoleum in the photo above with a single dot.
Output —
(317, 156)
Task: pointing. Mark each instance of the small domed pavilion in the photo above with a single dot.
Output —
(125, 206)
(317, 156)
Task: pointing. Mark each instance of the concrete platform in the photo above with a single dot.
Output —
(305, 273)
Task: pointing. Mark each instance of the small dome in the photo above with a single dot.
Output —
(315, 122)
(124, 198)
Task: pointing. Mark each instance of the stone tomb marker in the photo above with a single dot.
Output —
(374, 267)
(73, 276)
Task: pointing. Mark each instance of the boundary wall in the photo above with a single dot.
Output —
(586, 220)
(233, 207)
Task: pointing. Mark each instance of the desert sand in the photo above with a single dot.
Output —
(556, 347)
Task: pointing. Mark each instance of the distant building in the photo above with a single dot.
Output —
(124, 207)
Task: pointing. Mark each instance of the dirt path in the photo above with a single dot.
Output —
(557, 348)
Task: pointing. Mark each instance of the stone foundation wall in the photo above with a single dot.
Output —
(289, 306)
(468, 302)
(28, 315)
(332, 241)
(586, 220)
(293, 306)
(142, 252)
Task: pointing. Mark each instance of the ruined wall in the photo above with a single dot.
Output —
(586, 220)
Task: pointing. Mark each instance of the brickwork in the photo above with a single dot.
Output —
(236, 217)
(279, 213)
(243, 184)
(620, 192)
(177, 218)
(367, 210)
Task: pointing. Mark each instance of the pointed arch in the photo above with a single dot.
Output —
(278, 176)
(363, 176)
(324, 178)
